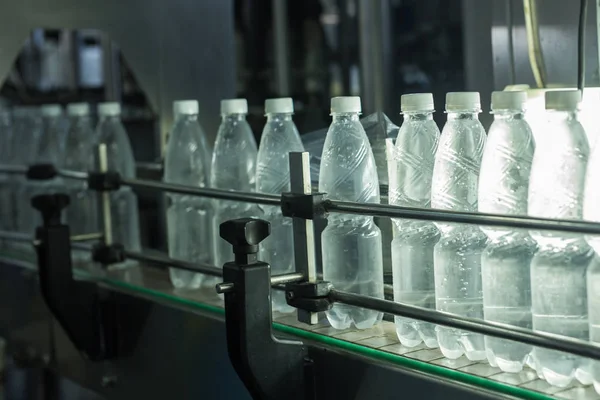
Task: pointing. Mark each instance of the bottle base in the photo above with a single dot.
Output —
(342, 316)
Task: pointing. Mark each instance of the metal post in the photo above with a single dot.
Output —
(305, 240)
(105, 197)
(281, 43)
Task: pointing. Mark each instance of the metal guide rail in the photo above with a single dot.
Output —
(303, 289)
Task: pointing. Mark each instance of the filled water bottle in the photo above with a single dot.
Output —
(123, 202)
(558, 269)
(82, 212)
(233, 168)
(7, 199)
(414, 241)
(49, 150)
(457, 255)
(351, 244)
(189, 225)
(503, 189)
(591, 212)
(279, 137)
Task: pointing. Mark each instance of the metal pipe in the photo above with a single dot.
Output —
(226, 287)
(69, 174)
(534, 338)
(509, 221)
(13, 169)
(534, 45)
(105, 196)
(281, 43)
(86, 237)
(260, 198)
(169, 262)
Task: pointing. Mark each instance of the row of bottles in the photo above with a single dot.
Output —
(44, 135)
(533, 280)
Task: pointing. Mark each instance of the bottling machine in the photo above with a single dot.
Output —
(69, 331)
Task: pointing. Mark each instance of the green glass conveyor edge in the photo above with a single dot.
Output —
(397, 359)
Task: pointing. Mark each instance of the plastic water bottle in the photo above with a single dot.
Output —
(233, 168)
(82, 212)
(414, 241)
(457, 257)
(25, 147)
(7, 200)
(49, 150)
(503, 189)
(188, 217)
(351, 244)
(279, 137)
(123, 202)
(591, 212)
(558, 270)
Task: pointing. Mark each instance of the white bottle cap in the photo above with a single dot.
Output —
(78, 109)
(508, 100)
(51, 110)
(187, 107)
(416, 102)
(458, 101)
(109, 109)
(563, 100)
(234, 106)
(345, 104)
(279, 106)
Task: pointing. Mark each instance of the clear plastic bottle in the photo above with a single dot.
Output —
(189, 226)
(82, 212)
(124, 206)
(351, 244)
(503, 189)
(591, 212)
(233, 168)
(279, 137)
(7, 200)
(414, 241)
(558, 269)
(49, 150)
(25, 145)
(457, 256)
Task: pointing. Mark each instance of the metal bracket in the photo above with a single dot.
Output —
(104, 181)
(88, 314)
(305, 206)
(41, 172)
(270, 368)
(108, 254)
(309, 296)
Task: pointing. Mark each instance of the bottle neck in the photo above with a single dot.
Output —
(466, 115)
(418, 116)
(339, 117)
(111, 118)
(500, 115)
(233, 117)
(188, 117)
(561, 115)
(279, 117)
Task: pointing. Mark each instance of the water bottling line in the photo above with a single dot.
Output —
(100, 330)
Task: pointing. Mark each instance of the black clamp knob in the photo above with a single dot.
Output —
(244, 235)
(51, 206)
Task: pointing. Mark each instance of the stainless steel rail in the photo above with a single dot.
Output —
(534, 338)
(375, 210)
(509, 221)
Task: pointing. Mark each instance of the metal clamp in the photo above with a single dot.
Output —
(41, 172)
(305, 206)
(104, 181)
(107, 254)
(309, 296)
(84, 312)
(269, 367)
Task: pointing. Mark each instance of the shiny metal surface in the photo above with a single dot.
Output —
(181, 352)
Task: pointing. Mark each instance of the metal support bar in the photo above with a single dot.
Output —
(226, 287)
(306, 239)
(425, 214)
(281, 43)
(534, 338)
(260, 198)
(172, 263)
(105, 197)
